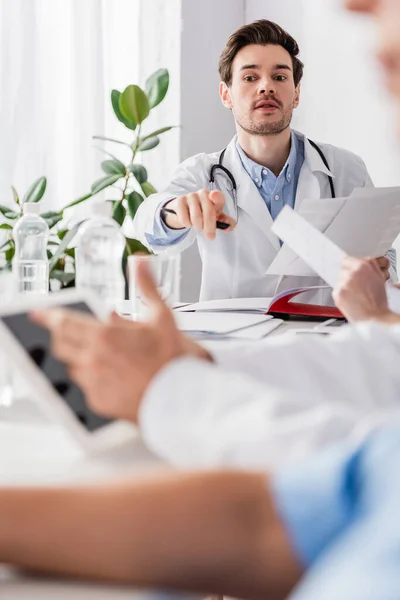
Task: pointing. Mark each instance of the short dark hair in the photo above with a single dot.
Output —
(260, 32)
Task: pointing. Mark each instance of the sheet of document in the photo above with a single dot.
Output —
(211, 323)
(258, 332)
(393, 296)
(365, 224)
(313, 247)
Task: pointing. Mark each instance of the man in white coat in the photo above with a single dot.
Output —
(244, 187)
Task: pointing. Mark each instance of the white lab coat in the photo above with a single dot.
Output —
(274, 402)
(234, 264)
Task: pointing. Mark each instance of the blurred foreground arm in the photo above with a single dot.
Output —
(209, 532)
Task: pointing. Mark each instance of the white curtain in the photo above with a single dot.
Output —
(59, 59)
(160, 44)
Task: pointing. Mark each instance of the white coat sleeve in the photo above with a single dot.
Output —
(274, 403)
(190, 176)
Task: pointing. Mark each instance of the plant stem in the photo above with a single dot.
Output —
(134, 151)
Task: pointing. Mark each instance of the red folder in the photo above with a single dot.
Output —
(283, 305)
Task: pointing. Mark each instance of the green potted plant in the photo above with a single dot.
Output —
(127, 182)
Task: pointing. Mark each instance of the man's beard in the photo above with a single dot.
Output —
(265, 129)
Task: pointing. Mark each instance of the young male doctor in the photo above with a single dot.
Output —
(264, 167)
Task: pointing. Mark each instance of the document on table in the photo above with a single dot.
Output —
(364, 224)
(316, 250)
(217, 324)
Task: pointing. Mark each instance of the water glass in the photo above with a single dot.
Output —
(165, 271)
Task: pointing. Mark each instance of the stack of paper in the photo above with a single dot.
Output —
(225, 324)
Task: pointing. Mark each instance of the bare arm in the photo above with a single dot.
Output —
(208, 532)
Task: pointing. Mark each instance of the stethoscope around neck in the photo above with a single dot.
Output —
(220, 167)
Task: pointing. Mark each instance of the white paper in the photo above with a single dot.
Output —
(210, 323)
(365, 224)
(313, 247)
(258, 332)
(393, 296)
(230, 305)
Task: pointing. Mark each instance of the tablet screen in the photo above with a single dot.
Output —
(36, 342)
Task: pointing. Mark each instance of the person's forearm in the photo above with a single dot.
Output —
(207, 532)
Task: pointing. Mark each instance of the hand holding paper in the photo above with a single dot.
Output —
(365, 224)
(326, 259)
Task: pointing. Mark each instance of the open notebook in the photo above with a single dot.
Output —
(279, 304)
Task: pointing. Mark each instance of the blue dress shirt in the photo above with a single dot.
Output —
(281, 190)
(342, 512)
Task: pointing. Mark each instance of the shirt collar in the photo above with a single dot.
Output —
(257, 172)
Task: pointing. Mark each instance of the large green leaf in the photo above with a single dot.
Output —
(149, 144)
(104, 182)
(115, 96)
(52, 218)
(157, 87)
(157, 132)
(113, 167)
(78, 201)
(134, 246)
(133, 104)
(5, 226)
(139, 172)
(148, 189)
(119, 212)
(36, 191)
(67, 239)
(134, 201)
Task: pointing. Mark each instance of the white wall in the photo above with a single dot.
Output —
(343, 100)
(206, 125)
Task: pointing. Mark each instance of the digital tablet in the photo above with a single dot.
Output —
(29, 349)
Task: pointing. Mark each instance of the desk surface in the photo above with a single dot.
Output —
(33, 451)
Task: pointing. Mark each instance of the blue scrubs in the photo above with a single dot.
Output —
(342, 512)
